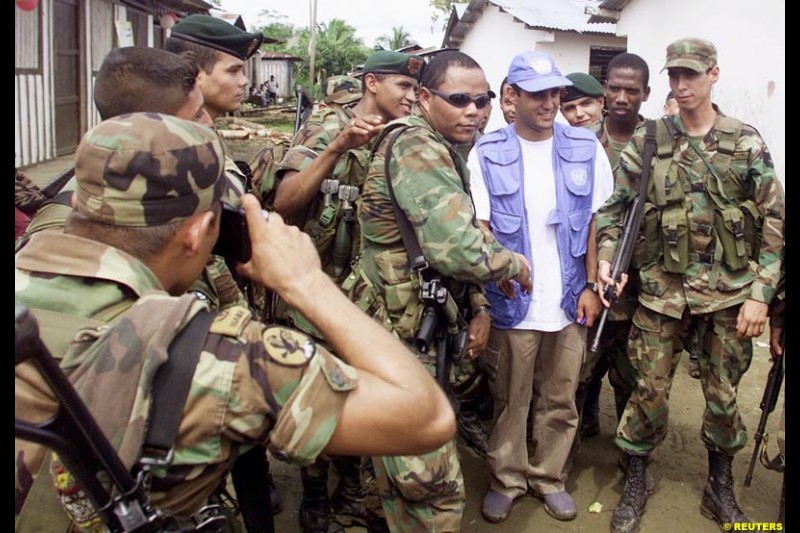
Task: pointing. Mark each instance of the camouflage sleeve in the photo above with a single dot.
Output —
(27, 196)
(287, 391)
(309, 142)
(627, 176)
(431, 193)
(769, 199)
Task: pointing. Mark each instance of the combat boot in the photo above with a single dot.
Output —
(472, 430)
(348, 498)
(316, 514)
(719, 502)
(628, 513)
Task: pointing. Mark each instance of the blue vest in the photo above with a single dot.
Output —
(500, 157)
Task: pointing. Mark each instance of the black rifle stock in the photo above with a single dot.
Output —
(55, 186)
(768, 401)
(304, 107)
(75, 436)
(630, 231)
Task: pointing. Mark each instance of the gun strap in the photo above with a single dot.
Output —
(415, 256)
(171, 385)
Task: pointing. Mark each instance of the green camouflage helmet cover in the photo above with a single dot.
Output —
(148, 169)
(341, 90)
(692, 53)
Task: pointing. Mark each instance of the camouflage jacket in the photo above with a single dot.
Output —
(27, 196)
(707, 285)
(321, 216)
(431, 185)
(613, 148)
(253, 384)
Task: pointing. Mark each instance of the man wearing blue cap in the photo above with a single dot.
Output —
(536, 184)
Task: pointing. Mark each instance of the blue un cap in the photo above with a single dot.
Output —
(534, 72)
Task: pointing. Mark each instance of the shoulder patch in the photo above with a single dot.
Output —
(288, 347)
(231, 321)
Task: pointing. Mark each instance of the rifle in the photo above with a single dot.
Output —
(630, 231)
(304, 107)
(768, 401)
(55, 186)
(79, 442)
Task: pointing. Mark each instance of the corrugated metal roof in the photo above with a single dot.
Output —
(608, 11)
(564, 15)
(560, 15)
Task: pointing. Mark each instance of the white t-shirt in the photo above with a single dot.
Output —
(544, 313)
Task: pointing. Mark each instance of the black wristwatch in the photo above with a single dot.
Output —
(592, 286)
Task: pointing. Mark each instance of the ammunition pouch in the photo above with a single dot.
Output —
(675, 239)
(648, 245)
(730, 227)
(753, 223)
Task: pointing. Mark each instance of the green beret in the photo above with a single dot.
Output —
(391, 62)
(582, 85)
(692, 53)
(148, 169)
(341, 90)
(215, 33)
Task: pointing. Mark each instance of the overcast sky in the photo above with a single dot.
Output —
(370, 18)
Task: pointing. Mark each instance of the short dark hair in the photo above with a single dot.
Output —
(503, 85)
(669, 95)
(135, 78)
(631, 61)
(204, 57)
(433, 75)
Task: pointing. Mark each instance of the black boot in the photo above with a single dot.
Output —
(719, 502)
(471, 429)
(628, 513)
(590, 414)
(316, 515)
(348, 498)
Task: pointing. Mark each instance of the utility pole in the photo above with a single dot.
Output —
(312, 43)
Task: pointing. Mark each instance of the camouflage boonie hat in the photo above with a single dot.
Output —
(148, 169)
(692, 53)
(391, 62)
(341, 90)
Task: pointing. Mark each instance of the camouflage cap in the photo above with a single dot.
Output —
(341, 90)
(215, 33)
(391, 62)
(692, 53)
(582, 85)
(148, 169)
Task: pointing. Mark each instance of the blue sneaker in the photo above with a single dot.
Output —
(496, 506)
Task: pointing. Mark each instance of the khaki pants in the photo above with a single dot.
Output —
(544, 366)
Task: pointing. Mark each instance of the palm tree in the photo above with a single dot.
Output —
(399, 39)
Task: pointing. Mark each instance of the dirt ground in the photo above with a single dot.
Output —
(679, 467)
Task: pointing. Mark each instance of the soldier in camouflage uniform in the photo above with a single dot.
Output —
(582, 102)
(146, 218)
(625, 89)
(422, 493)
(708, 253)
(318, 182)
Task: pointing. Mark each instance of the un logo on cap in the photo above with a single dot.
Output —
(541, 65)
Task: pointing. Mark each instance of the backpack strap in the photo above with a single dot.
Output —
(171, 386)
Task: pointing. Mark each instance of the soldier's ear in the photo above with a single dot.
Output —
(198, 230)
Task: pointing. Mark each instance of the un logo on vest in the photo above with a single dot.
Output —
(578, 176)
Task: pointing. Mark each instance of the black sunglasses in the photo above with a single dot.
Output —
(463, 99)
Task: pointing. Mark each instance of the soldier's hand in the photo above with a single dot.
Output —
(775, 347)
(479, 328)
(524, 277)
(283, 256)
(751, 320)
(604, 279)
(359, 131)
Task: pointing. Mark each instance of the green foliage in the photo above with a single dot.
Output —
(338, 51)
(398, 39)
(442, 14)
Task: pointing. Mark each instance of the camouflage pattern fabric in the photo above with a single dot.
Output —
(751, 173)
(655, 344)
(341, 90)
(263, 384)
(27, 196)
(673, 304)
(116, 156)
(422, 493)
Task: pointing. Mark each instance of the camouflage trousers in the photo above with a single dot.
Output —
(423, 493)
(655, 346)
